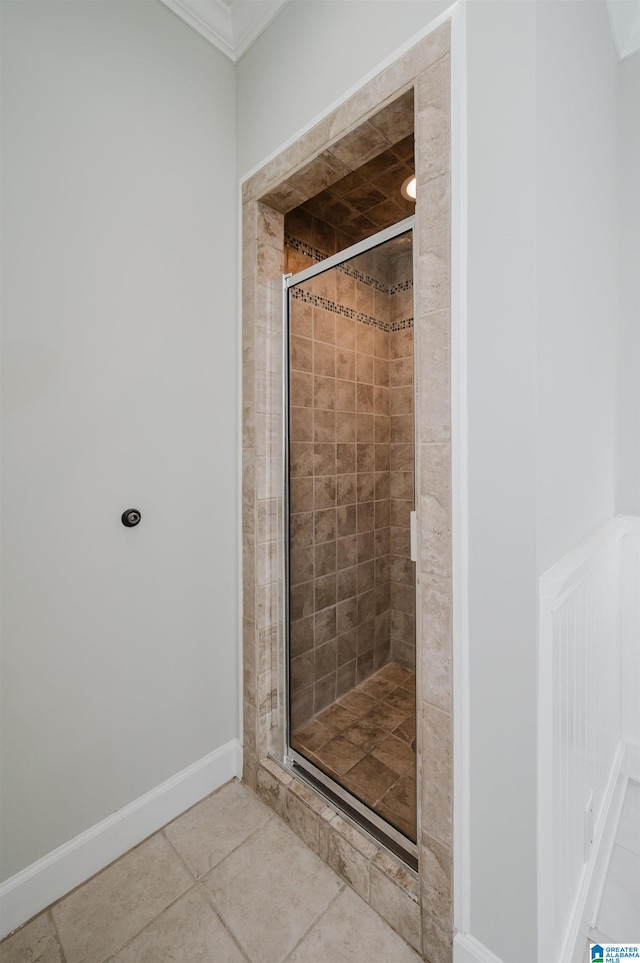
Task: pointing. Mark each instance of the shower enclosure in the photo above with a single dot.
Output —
(410, 98)
(350, 581)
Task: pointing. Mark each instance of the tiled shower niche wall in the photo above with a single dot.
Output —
(341, 473)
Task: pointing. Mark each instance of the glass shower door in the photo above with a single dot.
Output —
(350, 576)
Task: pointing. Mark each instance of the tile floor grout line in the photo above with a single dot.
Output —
(400, 775)
(277, 820)
(251, 835)
(230, 853)
(157, 916)
(47, 912)
(343, 886)
(161, 832)
(124, 946)
(195, 882)
(178, 854)
(211, 902)
(158, 832)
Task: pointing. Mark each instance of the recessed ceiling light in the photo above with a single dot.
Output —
(408, 189)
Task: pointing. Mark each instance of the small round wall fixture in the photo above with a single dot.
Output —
(408, 189)
(131, 517)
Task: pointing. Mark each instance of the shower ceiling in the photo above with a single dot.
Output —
(362, 176)
(368, 199)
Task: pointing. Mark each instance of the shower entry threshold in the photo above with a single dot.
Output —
(376, 784)
(350, 807)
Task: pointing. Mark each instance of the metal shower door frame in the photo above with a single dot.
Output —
(296, 763)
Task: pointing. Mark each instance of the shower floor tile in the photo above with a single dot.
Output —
(364, 742)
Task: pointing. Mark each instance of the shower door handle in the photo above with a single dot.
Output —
(413, 525)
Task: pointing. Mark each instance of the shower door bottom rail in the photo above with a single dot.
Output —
(348, 804)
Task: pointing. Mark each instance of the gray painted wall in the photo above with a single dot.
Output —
(118, 305)
(628, 434)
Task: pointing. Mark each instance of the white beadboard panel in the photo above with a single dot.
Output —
(581, 736)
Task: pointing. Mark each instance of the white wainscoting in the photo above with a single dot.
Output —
(39, 885)
(585, 609)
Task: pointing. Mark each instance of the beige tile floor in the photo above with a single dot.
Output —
(226, 882)
(363, 741)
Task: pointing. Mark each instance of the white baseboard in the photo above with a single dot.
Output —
(467, 949)
(45, 881)
(589, 895)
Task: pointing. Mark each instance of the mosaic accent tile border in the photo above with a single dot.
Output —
(401, 286)
(319, 302)
(303, 248)
(400, 325)
(364, 278)
(317, 255)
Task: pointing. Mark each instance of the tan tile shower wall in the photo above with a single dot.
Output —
(340, 592)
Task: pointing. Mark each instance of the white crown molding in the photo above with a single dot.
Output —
(230, 25)
(211, 19)
(624, 17)
(249, 19)
(233, 25)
